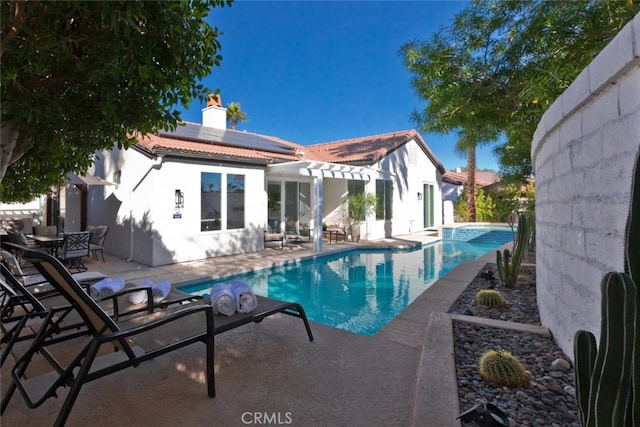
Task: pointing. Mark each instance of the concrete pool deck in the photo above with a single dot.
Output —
(269, 373)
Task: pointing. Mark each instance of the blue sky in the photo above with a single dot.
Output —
(319, 71)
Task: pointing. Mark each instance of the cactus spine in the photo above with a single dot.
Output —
(508, 265)
(608, 377)
(490, 298)
(502, 368)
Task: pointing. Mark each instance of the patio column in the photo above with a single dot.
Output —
(317, 213)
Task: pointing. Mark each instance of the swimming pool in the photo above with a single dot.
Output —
(359, 290)
(479, 233)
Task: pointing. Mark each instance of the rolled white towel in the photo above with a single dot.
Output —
(142, 296)
(246, 300)
(116, 285)
(106, 287)
(97, 287)
(222, 299)
(161, 290)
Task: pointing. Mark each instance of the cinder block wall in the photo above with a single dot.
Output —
(583, 153)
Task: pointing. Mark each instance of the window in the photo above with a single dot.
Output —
(221, 210)
(383, 199)
(274, 192)
(355, 187)
(210, 201)
(235, 201)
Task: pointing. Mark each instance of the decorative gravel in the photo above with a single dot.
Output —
(549, 399)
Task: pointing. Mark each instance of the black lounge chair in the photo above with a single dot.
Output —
(153, 334)
(34, 279)
(192, 324)
(19, 307)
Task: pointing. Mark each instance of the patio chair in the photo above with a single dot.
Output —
(34, 279)
(75, 246)
(17, 237)
(149, 335)
(96, 243)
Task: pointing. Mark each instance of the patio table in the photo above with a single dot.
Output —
(51, 243)
(334, 233)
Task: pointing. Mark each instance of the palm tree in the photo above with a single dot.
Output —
(235, 115)
(467, 144)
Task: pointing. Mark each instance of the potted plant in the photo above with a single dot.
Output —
(360, 205)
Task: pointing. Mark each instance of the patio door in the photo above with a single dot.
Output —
(274, 203)
(297, 207)
(295, 197)
(428, 198)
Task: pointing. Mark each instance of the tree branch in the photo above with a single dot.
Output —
(16, 27)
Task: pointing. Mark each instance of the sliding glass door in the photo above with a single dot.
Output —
(295, 197)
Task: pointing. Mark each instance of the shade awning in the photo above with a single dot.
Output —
(328, 170)
(72, 178)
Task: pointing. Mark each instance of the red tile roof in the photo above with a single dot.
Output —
(367, 149)
(156, 143)
(357, 151)
(483, 178)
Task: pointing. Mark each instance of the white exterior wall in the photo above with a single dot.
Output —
(583, 153)
(410, 172)
(157, 238)
(335, 194)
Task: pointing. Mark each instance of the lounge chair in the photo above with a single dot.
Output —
(20, 308)
(153, 334)
(21, 305)
(34, 279)
(274, 237)
(148, 335)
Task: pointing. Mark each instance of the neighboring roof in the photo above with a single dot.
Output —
(483, 178)
(368, 149)
(195, 140)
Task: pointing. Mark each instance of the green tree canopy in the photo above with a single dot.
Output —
(501, 63)
(80, 76)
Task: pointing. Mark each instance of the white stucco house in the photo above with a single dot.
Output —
(203, 190)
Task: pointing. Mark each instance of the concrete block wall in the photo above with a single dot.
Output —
(583, 153)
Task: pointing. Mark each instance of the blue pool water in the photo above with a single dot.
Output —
(359, 290)
(479, 233)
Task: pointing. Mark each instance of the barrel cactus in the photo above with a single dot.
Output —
(608, 376)
(490, 298)
(502, 368)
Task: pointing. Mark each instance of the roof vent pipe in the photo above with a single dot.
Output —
(157, 164)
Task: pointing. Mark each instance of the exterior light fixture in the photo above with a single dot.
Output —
(419, 196)
(485, 415)
(179, 199)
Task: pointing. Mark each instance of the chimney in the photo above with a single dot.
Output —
(214, 100)
(214, 115)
